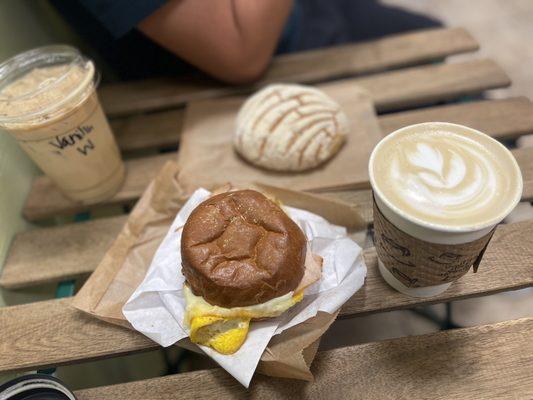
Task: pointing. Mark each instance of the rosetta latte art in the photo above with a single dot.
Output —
(442, 177)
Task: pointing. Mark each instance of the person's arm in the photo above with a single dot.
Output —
(232, 40)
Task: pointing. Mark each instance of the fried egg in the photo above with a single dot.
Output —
(225, 329)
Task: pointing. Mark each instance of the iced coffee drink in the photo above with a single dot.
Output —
(48, 102)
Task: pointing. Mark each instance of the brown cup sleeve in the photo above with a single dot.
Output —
(417, 263)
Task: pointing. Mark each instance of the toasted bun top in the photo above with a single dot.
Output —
(239, 249)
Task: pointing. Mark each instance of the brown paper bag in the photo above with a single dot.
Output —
(207, 157)
(290, 354)
(125, 264)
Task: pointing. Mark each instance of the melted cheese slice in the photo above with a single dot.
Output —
(197, 306)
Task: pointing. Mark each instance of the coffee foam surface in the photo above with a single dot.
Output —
(446, 175)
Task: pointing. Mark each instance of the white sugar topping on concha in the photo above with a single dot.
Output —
(290, 128)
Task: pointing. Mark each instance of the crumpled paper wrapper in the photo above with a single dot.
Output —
(126, 263)
(157, 307)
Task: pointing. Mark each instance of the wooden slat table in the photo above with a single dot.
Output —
(72, 250)
(81, 337)
(502, 119)
(149, 115)
(472, 363)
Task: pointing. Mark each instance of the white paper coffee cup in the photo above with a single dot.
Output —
(429, 231)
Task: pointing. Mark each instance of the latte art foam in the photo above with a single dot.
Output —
(445, 177)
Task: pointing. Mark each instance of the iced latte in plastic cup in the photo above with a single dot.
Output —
(48, 102)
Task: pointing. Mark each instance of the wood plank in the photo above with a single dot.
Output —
(430, 84)
(145, 131)
(389, 52)
(490, 361)
(30, 341)
(51, 333)
(45, 200)
(501, 119)
(305, 67)
(54, 254)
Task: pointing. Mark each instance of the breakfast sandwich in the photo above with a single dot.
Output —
(243, 259)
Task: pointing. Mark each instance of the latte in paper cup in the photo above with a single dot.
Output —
(439, 189)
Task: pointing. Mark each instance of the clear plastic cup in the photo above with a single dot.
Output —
(48, 102)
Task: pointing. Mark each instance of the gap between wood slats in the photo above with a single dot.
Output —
(490, 361)
(30, 340)
(305, 67)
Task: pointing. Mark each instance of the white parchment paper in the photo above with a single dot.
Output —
(157, 307)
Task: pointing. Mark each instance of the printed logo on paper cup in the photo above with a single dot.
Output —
(417, 263)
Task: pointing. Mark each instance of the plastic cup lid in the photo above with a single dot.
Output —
(69, 78)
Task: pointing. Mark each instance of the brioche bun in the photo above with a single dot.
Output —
(239, 249)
